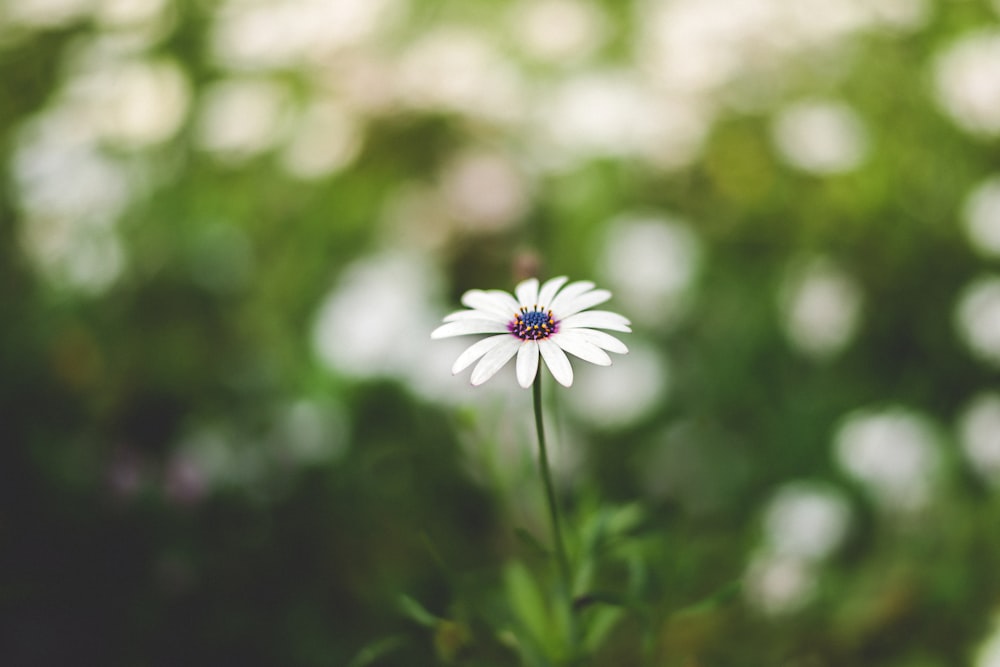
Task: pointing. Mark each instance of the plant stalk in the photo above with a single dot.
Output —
(550, 495)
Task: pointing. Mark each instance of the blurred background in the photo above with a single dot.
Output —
(228, 228)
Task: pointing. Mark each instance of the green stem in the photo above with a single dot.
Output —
(550, 495)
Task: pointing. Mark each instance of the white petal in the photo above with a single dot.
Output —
(549, 289)
(490, 302)
(527, 292)
(505, 299)
(527, 363)
(475, 351)
(473, 315)
(578, 346)
(601, 340)
(569, 293)
(464, 327)
(557, 362)
(598, 319)
(495, 360)
(582, 302)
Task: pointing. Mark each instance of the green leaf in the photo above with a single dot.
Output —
(529, 607)
(376, 650)
(713, 601)
(532, 543)
(434, 554)
(599, 626)
(626, 519)
(416, 611)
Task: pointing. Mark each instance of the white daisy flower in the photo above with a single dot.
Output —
(547, 321)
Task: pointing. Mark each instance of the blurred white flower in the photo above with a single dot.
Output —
(988, 652)
(241, 118)
(357, 329)
(625, 393)
(613, 114)
(135, 103)
(967, 82)
(977, 318)
(88, 259)
(982, 216)
(821, 307)
(979, 433)
(253, 35)
(821, 137)
(484, 191)
(130, 13)
(806, 521)
(392, 291)
(221, 460)
(44, 13)
(700, 46)
(900, 14)
(693, 45)
(311, 432)
(71, 195)
(559, 30)
(542, 321)
(651, 263)
(60, 173)
(459, 70)
(894, 453)
(778, 584)
(325, 138)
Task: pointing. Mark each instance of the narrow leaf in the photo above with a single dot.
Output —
(376, 650)
(713, 601)
(416, 611)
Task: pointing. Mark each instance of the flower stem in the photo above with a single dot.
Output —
(550, 495)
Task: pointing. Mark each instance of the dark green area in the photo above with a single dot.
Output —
(399, 551)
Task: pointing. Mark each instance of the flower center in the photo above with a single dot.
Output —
(533, 324)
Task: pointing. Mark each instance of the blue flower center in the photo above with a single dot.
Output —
(534, 324)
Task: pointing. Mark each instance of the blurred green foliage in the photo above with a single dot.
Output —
(189, 477)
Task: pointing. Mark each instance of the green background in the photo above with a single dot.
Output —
(226, 434)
